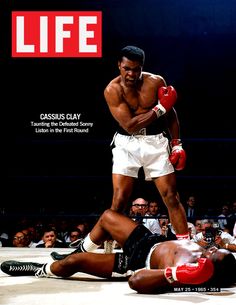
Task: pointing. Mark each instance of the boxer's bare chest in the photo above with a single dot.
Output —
(171, 254)
(139, 100)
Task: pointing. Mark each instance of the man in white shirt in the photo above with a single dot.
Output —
(139, 213)
(210, 237)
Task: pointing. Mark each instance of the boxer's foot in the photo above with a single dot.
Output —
(57, 256)
(16, 268)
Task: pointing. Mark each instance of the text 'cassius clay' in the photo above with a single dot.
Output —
(56, 34)
(59, 116)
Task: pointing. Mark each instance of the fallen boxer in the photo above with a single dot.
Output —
(151, 264)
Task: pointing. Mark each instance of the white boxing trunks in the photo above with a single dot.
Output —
(151, 152)
(148, 260)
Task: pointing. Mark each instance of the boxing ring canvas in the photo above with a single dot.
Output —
(84, 289)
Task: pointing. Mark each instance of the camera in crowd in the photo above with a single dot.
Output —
(210, 234)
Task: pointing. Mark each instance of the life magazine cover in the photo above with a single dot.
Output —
(58, 128)
(57, 57)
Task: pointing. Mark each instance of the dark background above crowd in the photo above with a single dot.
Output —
(192, 44)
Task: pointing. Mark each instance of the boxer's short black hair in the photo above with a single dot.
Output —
(132, 53)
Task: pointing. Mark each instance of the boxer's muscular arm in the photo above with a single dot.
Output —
(173, 124)
(122, 113)
(148, 281)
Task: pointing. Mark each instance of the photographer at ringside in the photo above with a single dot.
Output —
(212, 236)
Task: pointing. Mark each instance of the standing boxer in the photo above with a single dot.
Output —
(150, 265)
(142, 105)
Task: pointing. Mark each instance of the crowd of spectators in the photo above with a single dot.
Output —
(48, 230)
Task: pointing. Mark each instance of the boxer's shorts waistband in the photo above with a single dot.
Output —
(142, 132)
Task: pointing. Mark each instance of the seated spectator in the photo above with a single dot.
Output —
(27, 237)
(191, 230)
(198, 226)
(224, 240)
(83, 226)
(138, 211)
(223, 217)
(211, 236)
(62, 227)
(49, 238)
(153, 209)
(19, 240)
(74, 237)
(193, 208)
(166, 227)
(33, 236)
(199, 238)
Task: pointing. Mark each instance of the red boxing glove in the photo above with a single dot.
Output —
(191, 273)
(178, 155)
(167, 97)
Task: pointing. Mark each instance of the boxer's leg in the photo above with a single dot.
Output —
(110, 224)
(122, 190)
(92, 263)
(167, 188)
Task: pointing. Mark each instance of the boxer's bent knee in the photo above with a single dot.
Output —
(108, 216)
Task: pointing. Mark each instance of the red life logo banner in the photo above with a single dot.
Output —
(56, 34)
